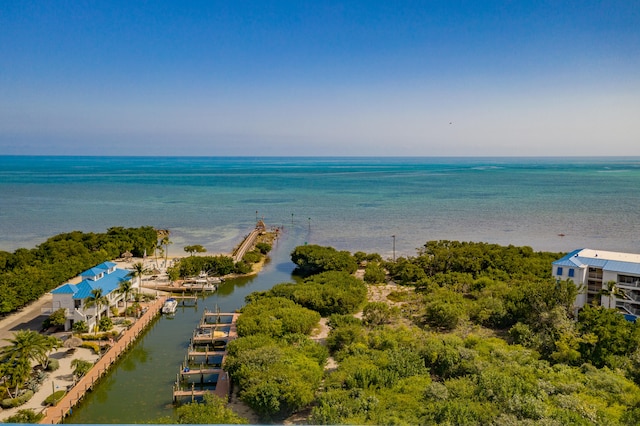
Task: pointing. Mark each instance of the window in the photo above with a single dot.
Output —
(571, 272)
(559, 271)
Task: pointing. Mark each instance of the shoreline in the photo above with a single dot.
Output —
(29, 317)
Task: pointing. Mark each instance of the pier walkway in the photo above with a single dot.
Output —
(58, 412)
(247, 244)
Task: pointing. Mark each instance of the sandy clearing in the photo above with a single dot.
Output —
(56, 380)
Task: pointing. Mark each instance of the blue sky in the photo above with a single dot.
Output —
(423, 78)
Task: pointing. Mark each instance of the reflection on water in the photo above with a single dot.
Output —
(138, 388)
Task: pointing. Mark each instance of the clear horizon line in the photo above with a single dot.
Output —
(325, 156)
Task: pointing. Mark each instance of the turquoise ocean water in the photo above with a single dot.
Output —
(349, 203)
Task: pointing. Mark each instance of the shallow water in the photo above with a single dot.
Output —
(138, 388)
(349, 203)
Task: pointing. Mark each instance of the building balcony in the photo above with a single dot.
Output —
(49, 311)
(629, 307)
(631, 295)
(634, 284)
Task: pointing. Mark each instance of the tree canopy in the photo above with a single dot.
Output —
(212, 265)
(333, 292)
(477, 334)
(313, 259)
(25, 275)
(276, 366)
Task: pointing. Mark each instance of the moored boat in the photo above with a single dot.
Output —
(169, 306)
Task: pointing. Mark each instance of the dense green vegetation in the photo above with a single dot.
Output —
(212, 410)
(25, 416)
(477, 334)
(25, 275)
(275, 317)
(277, 367)
(313, 259)
(196, 248)
(18, 382)
(405, 375)
(193, 265)
(333, 292)
(217, 265)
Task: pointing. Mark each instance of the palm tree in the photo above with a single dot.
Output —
(611, 292)
(80, 367)
(138, 271)
(27, 344)
(125, 288)
(15, 373)
(166, 241)
(50, 343)
(161, 236)
(98, 300)
(157, 246)
(25, 347)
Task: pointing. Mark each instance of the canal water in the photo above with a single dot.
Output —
(138, 389)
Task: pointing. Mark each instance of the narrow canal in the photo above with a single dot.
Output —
(138, 388)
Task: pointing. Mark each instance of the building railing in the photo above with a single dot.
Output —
(49, 311)
(635, 284)
(632, 295)
(633, 309)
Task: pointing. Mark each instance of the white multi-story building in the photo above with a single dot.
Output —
(73, 297)
(608, 278)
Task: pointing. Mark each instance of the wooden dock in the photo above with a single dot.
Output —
(186, 300)
(201, 371)
(86, 383)
(204, 346)
(171, 288)
(195, 351)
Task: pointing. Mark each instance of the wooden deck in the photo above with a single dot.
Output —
(201, 371)
(181, 389)
(58, 412)
(185, 300)
(206, 353)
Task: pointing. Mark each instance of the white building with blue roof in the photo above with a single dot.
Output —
(72, 297)
(609, 278)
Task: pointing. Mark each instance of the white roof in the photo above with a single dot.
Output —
(610, 255)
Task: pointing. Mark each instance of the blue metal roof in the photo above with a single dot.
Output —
(574, 259)
(567, 262)
(624, 267)
(65, 289)
(596, 263)
(93, 272)
(108, 282)
(570, 259)
(105, 265)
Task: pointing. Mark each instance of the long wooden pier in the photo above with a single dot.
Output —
(247, 244)
(86, 383)
(215, 331)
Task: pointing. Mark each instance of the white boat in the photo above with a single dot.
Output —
(169, 306)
